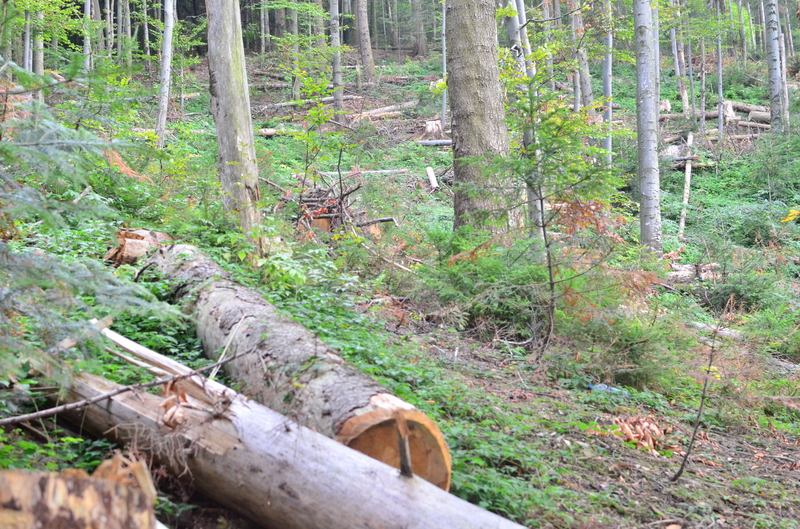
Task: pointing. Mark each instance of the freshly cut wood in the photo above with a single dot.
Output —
(33, 500)
(305, 102)
(390, 108)
(135, 243)
(269, 469)
(759, 117)
(268, 133)
(747, 107)
(754, 125)
(433, 130)
(356, 171)
(293, 372)
(432, 178)
(734, 137)
(727, 112)
(385, 115)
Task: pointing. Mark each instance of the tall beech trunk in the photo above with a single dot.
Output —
(420, 41)
(293, 372)
(145, 37)
(87, 39)
(774, 64)
(336, 59)
(365, 43)
(230, 106)
(647, 128)
(608, 63)
(280, 23)
(476, 105)
(166, 71)
(267, 468)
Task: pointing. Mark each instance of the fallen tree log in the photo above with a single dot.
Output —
(264, 466)
(434, 143)
(305, 102)
(747, 107)
(293, 372)
(754, 125)
(759, 117)
(383, 110)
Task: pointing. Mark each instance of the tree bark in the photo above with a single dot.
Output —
(32, 500)
(230, 106)
(647, 128)
(774, 65)
(420, 40)
(687, 187)
(476, 105)
(336, 59)
(266, 467)
(608, 64)
(166, 71)
(364, 40)
(293, 373)
(145, 37)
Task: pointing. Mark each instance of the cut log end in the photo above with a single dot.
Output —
(375, 434)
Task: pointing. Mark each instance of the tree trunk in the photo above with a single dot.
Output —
(318, 25)
(87, 39)
(38, 52)
(128, 35)
(27, 61)
(687, 187)
(742, 33)
(145, 36)
(230, 106)
(656, 49)
(108, 11)
(365, 42)
(608, 63)
(294, 29)
(702, 85)
(476, 105)
(721, 125)
(764, 38)
(267, 468)
(336, 59)
(647, 128)
(395, 37)
(280, 23)
(420, 41)
(33, 500)
(295, 374)
(265, 44)
(587, 93)
(166, 72)
(774, 65)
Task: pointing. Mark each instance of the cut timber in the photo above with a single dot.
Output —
(433, 130)
(134, 244)
(267, 468)
(305, 102)
(384, 115)
(391, 108)
(759, 117)
(268, 133)
(734, 137)
(292, 371)
(434, 143)
(33, 500)
(746, 107)
(754, 125)
(432, 178)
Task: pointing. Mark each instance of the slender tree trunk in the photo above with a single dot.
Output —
(755, 36)
(109, 29)
(576, 72)
(365, 43)
(785, 91)
(608, 64)
(547, 12)
(587, 93)
(27, 60)
(265, 40)
(396, 25)
(764, 37)
(318, 26)
(742, 33)
(420, 41)
(295, 31)
(444, 67)
(166, 72)
(145, 36)
(476, 103)
(38, 52)
(120, 29)
(703, 86)
(677, 58)
(557, 13)
(230, 106)
(789, 38)
(338, 104)
(774, 65)
(720, 98)
(692, 94)
(87, 35)
(647, 128)
(687, 188)
(128, 35)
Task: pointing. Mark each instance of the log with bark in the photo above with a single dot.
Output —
(759, 117)
(747, 107)
(285, 104)
(266, 467)
(295, 373)
(754, 125)
(133, 244)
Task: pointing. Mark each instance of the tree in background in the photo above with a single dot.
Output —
(230, 106)
(647, 128)
(476, 104)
